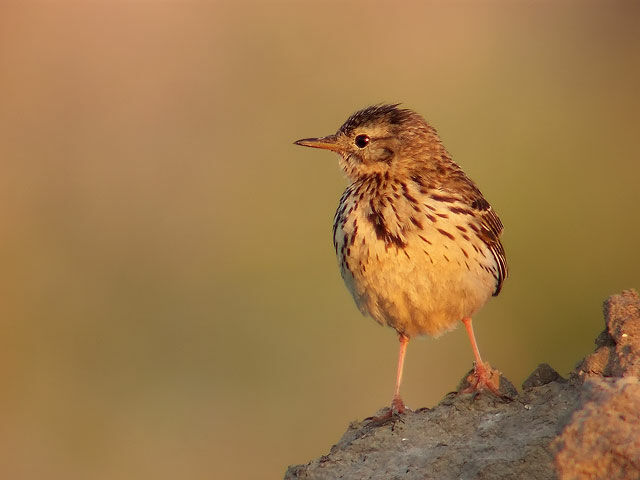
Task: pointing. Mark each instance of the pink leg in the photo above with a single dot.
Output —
(396, 403)
(472, 338)
(482, 373)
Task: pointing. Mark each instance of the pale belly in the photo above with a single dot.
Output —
(423, 287)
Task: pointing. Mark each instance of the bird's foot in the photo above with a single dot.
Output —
(397, 405)
(393, 413)
(484, 378)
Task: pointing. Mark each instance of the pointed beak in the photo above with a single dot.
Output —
(329, 142)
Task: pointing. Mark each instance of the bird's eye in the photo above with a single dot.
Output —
(362, 141)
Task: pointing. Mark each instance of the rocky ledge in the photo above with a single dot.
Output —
(586, 426)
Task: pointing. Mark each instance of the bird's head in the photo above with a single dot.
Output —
(379, 139)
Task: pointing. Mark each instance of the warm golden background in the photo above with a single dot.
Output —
(170, 303)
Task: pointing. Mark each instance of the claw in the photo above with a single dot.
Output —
(394, 413)
(484, 378)
(391, 415)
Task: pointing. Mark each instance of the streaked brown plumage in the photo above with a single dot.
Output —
(417, 244)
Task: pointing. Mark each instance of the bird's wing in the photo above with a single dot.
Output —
(490, 230)
(488, 227)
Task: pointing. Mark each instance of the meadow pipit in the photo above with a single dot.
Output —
(417, 244)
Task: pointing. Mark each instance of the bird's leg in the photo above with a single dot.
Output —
(481, 378)
(397, 405)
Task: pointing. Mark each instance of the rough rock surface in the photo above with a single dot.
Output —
(585, 427)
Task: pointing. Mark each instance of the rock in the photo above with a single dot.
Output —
(603, 438)
(618, 346)
(622, 313)
(585, 427)
(542, 375)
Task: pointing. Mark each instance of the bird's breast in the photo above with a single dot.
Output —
(409, 260)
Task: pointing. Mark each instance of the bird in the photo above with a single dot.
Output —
(417, 244)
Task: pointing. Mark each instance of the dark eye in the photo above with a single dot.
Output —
(362, 141)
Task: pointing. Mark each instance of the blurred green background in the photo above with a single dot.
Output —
(171, 305)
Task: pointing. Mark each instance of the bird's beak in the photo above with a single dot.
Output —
(329, 142)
